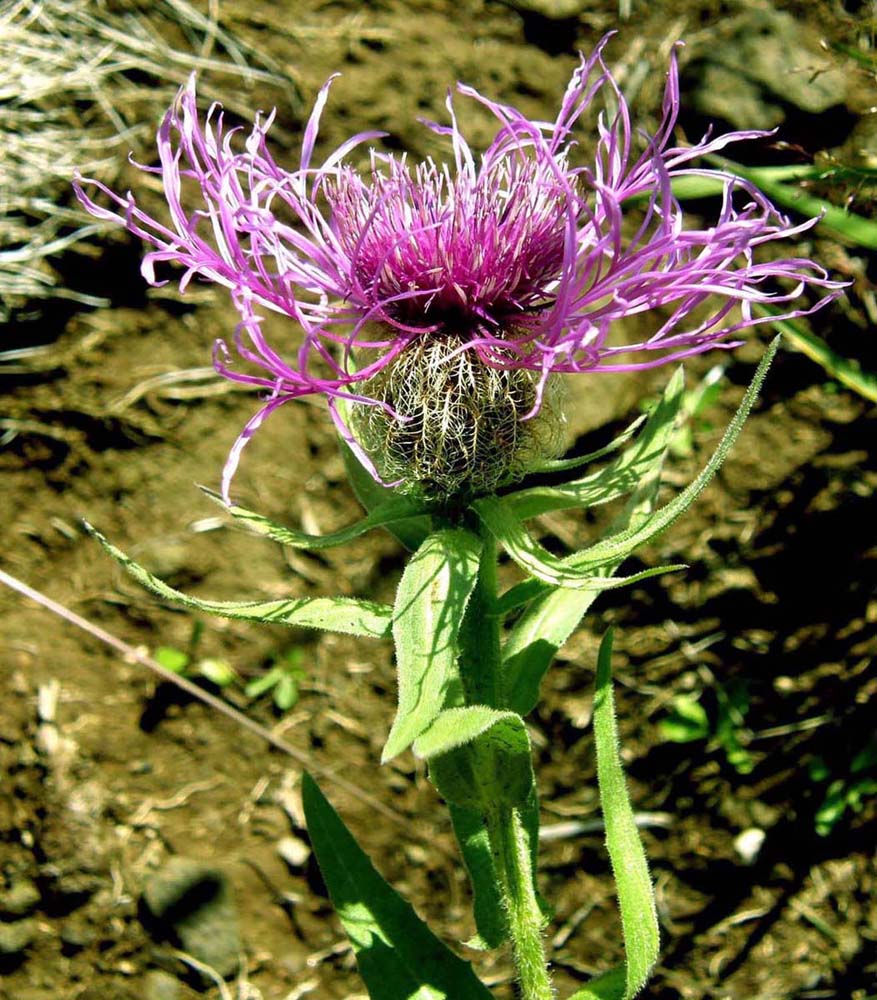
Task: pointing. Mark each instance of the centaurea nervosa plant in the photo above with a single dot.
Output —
(434, 306)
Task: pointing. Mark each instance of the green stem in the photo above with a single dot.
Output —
(481, 672)
(511, 858)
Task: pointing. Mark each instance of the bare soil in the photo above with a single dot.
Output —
(778, 600)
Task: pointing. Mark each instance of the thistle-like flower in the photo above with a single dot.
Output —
(436, 301)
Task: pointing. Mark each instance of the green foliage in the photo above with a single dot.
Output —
(550, 619)
(427, 616)
(331, 614)
(187, 663)
(479, 757)
(399, 957)
(847, 792)
(389, 511)
(636, 898)
(688, 721)
(282, 680)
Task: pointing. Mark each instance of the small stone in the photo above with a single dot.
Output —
(190, 904)
(160, 985)
(294, 851)
(16, 937)
(748, 844)
(75, 935)
(20, 899)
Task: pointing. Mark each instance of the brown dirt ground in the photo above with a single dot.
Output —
(779, 598)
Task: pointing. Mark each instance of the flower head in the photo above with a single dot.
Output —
(521, 259)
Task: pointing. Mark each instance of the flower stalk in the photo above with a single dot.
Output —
(481, 673)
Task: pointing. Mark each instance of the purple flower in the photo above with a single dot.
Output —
(523, 258)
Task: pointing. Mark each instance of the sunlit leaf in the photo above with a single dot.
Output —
(388, 512)
(430, 604)
(399, 958)
(331, 614)
(636, 897)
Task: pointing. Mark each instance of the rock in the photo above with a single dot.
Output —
(76, 934)
(748, 844)
(771, 60)
(159, 985)
(20, 899)
(294, 851)
(190, 904)
(16, 937)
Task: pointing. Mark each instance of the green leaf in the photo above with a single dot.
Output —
(332, 614)
(566, 464)
(389, 511)
(610, 985)
(636, 898)
(535, 559)
(285, 693)
(551, 618)
(399, 957)
(478, 757)
(172, 659)
(218, 672)
(430, 604)
(619, 478)
(411, 532)
(616, 547)
(474, 841)
(848, 372)
(687, 721)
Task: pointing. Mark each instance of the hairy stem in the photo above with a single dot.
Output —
(511, 858)
(481, 672)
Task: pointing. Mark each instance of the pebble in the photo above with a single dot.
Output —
(160, 985)
(294, 851)
(748, 844)
(16, 937)
(20, 899)
(191, 903)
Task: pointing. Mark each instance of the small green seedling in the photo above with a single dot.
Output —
(689, 721)
(282, 680)
(187, 664)
(848, 792)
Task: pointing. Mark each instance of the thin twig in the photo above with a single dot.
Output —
(131, 653)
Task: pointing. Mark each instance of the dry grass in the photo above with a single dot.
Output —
(84, 82)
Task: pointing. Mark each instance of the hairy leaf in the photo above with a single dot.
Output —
(636, 897)
(430, 604)
(389, 511)
(552, 617)
(478, 757)
(621, 477)
(331, 614)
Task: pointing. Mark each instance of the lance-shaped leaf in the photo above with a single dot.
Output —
(636, 897)
(613, 549)
(390, 511)
(567, 464)
(620, 545)
(621, 477)
(430, 604)
(331, 614)
(535, 559)
(552, 617)
(479, 757)
(398, 956)
(610, 985)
